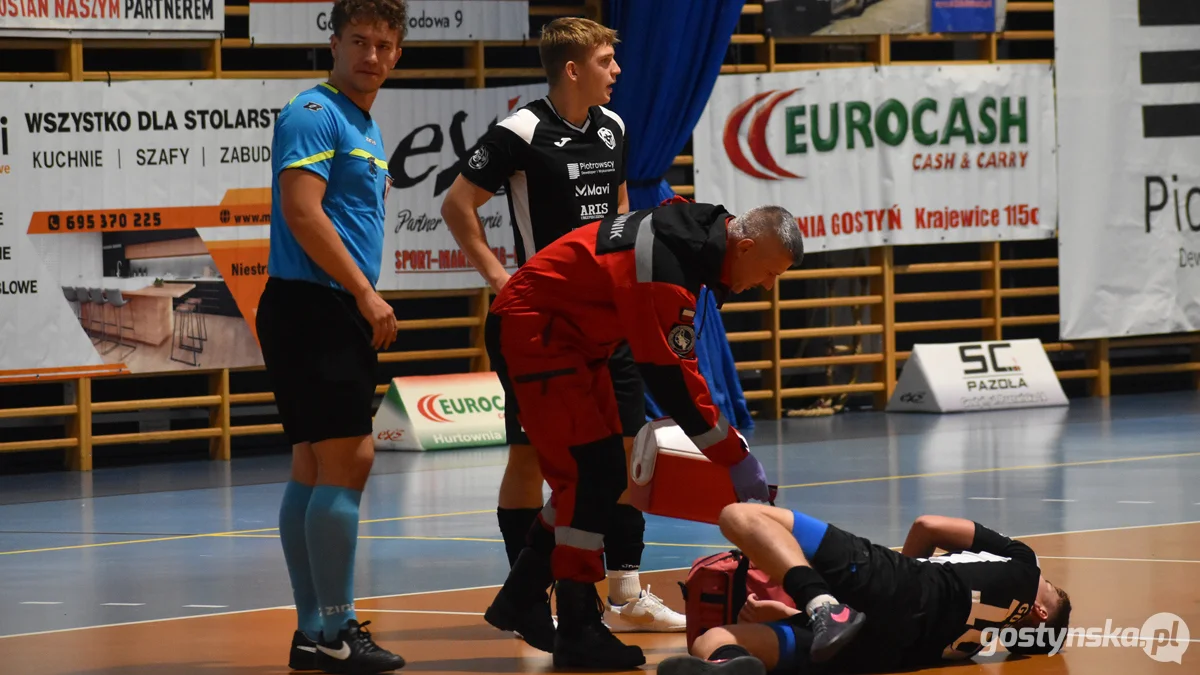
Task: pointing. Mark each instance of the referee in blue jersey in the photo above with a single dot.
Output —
(321, 323)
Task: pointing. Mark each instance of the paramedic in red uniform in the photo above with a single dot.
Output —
(631, 277)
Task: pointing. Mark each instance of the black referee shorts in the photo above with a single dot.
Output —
(626, 380)
(317, 349)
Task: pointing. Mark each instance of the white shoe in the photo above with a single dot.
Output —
(647, 614)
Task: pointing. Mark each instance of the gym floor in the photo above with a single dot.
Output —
(177, 568)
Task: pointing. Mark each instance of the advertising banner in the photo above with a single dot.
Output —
(1129, 167)
(441, 412)
(795, 18)
(971, 376)
(135, 218)
(299, 22)
(126, 19)
(430, 135)
(963, 16)
(886, 156)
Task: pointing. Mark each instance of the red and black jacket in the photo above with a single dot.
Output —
(636, 277)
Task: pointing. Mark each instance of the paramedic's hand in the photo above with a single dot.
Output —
(750, 480)
(764, 611)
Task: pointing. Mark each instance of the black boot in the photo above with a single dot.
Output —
(522, 605)
(582, 640)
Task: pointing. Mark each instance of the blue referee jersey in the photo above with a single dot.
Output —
(323, 131)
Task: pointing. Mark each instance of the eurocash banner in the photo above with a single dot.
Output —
(441, 412)
(126, 19)
(134, 218)
(304, 22)
(896, 155)
(1129, 166)
(969, 376)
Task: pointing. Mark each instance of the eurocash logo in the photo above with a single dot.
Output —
(859, 125)
(437, 409)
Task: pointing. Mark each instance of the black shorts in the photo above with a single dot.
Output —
(875, 580)
(317, 349)
(626, 380)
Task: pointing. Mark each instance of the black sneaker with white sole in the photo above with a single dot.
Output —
(691, 665)
(304, 652)
(353, 652)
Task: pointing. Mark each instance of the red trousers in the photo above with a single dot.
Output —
(567, 407)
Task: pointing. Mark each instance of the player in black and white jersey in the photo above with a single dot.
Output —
(562, 161)
(866, 608)
(557, 171)
(560, 158)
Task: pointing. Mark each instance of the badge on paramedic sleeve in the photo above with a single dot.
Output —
(682, 339)
(687, 315)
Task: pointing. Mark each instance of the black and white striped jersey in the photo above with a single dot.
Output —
(992, 585)
(558, 176)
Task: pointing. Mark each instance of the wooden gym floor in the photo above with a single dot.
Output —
(176, 568)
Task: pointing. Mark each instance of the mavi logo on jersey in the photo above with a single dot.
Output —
(592, 190)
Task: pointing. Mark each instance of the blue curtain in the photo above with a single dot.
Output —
(670, 53)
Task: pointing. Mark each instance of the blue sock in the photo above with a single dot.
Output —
(291, 532)
(785, 632)
(331, 526)
(809, 532)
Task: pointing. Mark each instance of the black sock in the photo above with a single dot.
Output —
(625, 541)
(727, 652)
(530, 577)
(540, 539)
(804, 584)
(514, 527)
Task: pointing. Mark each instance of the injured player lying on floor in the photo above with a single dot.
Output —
(866, 608)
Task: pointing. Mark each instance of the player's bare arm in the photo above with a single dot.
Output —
(623, 199)
(930, 532)
(302, 192)
(460, 209)
(757, 610)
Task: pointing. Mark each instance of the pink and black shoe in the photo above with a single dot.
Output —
(833, 627)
